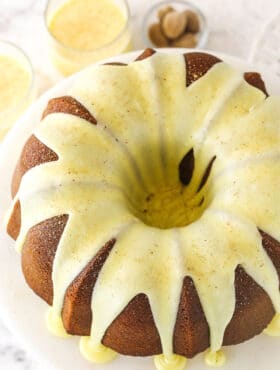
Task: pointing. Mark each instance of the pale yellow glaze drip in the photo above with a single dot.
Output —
(174, 362)
(273, 328)
(97, 354)
(215, 359)
(87, 24)
(55, 325)
(147, 121)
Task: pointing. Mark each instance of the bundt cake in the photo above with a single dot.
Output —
(146, 206)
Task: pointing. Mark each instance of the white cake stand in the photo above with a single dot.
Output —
(23, 312)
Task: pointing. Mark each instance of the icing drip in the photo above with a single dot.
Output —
(97, 354)
(273, 328)
(55, 324)
(174, 362)
(147, 121)
(215, 359)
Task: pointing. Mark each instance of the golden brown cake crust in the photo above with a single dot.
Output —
(255, 79)
(76, 311)
(34, 152)
(197, 64)
(67, 104)
(38, 255)
(133, 332)
(146, 54)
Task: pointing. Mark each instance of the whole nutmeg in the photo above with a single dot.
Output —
(188, 40)
(193, 24)
(174, 24)
(163, 11)
(156, 35)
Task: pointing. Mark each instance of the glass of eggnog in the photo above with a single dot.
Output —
(82, 32)
(17, 88)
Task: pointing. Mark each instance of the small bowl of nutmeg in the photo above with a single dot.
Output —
(178, 24)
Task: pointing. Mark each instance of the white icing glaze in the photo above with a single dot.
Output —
(273, 328)
(97, 354)
(173, 362)
(147, 121)
(215, 359)
(55, 325)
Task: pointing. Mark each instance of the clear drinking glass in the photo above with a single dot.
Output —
(12, 112)
(180, 5)
(69, 60)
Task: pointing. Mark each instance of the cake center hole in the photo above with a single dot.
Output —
(180, 202)
(170, 207)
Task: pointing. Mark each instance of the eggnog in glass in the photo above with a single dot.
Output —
(17, 88)
(82, 32)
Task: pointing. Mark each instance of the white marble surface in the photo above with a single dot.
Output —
(234, 26)
(12, 356)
